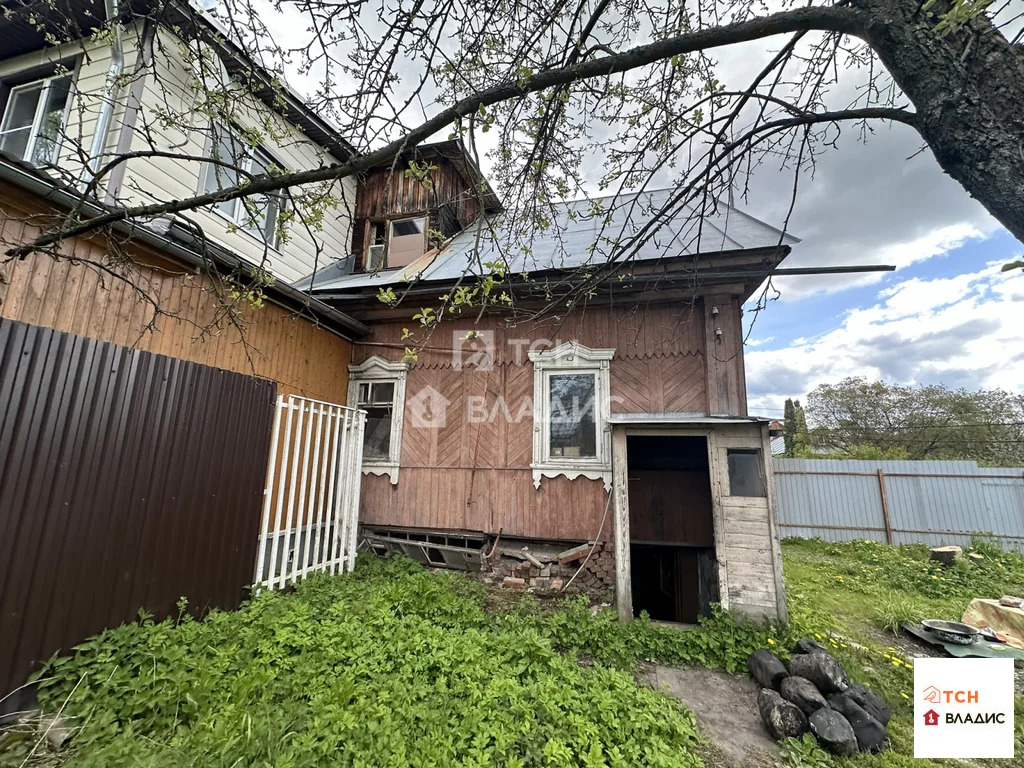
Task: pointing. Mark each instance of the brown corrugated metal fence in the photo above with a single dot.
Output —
(127, 480)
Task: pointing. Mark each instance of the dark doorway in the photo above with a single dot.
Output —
(671, 528)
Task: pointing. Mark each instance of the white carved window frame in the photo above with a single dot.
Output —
(377, 370)
(571, 357)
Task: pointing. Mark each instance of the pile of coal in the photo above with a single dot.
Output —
(814, 695)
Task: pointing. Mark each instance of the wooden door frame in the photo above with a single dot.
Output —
(620, 493)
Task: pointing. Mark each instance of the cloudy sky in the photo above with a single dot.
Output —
(946, 315)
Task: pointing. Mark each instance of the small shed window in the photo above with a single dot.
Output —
(377, 386)
(745, 478)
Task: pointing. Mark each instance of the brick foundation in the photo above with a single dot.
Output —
(546, 569)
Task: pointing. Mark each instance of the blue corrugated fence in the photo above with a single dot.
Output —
(903, 502)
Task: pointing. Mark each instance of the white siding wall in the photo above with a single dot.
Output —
(93, 62)
(168, 93)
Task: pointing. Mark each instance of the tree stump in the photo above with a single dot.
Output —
(946, 556)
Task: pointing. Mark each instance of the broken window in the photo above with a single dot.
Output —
(745, 477)
(396, 243)
(377, 387)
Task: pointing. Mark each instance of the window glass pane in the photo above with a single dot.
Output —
(21, 108)
(16, 142)
(745, 473)
(377, 438)
(573, 429)
(364, 393)
(408, 227)
(18, 120)
(383, 392)
(225, 150)
(45, 149)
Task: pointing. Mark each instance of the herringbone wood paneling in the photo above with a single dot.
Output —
(475, 474)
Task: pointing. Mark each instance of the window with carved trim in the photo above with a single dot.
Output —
(571, 406)
(377, 386)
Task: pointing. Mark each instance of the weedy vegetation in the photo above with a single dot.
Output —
(389, 666)
(393, 665)
(856, 594)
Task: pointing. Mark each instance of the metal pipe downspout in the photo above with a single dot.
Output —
(133, 103)
(106, 114)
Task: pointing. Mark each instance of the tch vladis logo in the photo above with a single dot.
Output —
(963, 708)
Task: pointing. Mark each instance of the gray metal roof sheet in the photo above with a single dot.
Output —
(582, 233)
(667, 419)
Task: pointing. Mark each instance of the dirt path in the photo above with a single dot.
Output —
(726, 709)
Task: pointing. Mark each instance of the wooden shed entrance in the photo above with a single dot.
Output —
(678, 466)
(672, 546)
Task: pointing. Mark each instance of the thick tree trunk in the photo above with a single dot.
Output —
(968, 90)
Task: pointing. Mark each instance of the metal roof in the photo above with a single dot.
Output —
(582, 233)
(687, 419)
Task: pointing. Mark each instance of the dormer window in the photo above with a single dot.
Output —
(236, 163)
(396, 243)
(34, 117)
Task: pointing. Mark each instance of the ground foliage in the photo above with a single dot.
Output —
(858, 592)
(390, 666)
(397, 666)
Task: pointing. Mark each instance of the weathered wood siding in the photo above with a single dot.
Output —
(747, 545)
(78, 298)
(385, 193)
(168, 89)
(473, 473)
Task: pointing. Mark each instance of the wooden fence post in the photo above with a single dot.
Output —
(885, 507)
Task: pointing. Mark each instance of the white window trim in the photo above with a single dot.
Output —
(389, 233)
(571, 357)
(377, 370)
(240, 218)
(37, 118)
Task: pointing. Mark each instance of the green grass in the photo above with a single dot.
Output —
(390, 666)
(861, 591)
(396, 666)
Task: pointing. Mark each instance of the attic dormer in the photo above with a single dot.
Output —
(430, 194)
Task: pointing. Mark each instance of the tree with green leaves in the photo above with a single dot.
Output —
(604, 93)
(795, 435)
(857, 418)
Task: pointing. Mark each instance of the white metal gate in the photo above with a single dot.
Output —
(311, 501)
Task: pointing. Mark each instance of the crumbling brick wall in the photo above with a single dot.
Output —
(548, 568)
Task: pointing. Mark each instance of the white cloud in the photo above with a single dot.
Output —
(964, 331)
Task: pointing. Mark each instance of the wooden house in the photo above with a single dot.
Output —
(622, 421)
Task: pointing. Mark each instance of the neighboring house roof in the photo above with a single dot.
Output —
(22, 32)
(577, 237)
